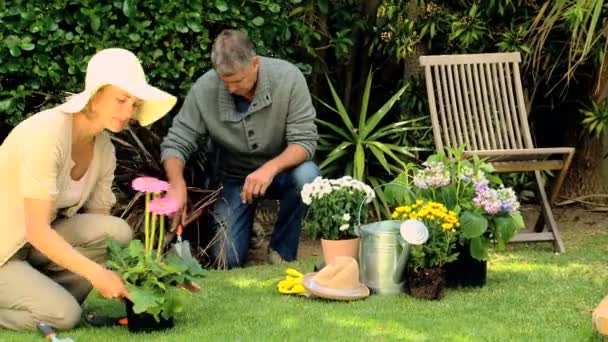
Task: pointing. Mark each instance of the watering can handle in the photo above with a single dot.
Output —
(397, 185)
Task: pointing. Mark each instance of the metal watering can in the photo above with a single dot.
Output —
(383, 255)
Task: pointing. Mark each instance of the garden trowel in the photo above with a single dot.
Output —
(182, 247)
(50, 333)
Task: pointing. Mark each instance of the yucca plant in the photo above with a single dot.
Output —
(352, 150)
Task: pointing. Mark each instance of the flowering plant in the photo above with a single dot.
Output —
(488, 212)
(442, 225)
(335, 206)
(150, 277)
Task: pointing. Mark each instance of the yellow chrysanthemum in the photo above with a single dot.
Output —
(447, 226)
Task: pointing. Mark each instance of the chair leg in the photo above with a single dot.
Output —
(559, 181)
(547, 215)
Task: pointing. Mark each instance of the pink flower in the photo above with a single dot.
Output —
(149, 184)
(163, 206)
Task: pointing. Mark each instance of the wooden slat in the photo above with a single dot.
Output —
(487, 109)
(525, 151)
(494, 108)
(525, 166)
(483, 139)
(439, 88)
(521, 106)
(433, 107)
(460, 108)
(499, 85)
(512, 57)
(470, 117)
(447, 107)
(529, 237)
(453, 106)
(513, 108)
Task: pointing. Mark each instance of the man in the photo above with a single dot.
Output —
(258, 111)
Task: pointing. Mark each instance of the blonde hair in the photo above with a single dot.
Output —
(87, 111)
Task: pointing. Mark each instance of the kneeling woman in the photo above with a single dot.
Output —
(52, 165)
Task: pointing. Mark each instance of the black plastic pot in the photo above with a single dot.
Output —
(144, 322)
(465, 271)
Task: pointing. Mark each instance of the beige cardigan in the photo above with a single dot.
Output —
(35, 162)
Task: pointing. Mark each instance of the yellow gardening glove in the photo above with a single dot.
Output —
(292, 284)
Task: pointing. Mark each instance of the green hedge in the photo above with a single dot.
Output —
(45, 45)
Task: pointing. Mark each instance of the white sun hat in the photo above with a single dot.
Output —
(121, 68)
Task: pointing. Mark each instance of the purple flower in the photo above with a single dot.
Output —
(494, 201)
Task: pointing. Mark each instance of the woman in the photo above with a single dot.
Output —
(54, 164)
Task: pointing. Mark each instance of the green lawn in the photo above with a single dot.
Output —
(532, 295)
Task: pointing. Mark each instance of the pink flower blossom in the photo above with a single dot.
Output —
(163, 206)
(149, 184)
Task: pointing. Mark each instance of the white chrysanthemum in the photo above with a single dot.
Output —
(346, 217)
(343, 227)
(414, 232)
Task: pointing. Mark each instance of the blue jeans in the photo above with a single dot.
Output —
(236, 217)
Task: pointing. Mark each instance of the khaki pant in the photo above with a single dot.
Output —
(33, 290)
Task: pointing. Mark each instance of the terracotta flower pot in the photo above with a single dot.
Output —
(144, 322)
(426, 283)
(335, 248)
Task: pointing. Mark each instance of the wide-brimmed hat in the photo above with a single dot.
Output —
(337, 280)
(121, 68)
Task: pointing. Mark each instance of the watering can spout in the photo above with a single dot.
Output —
(401, 262)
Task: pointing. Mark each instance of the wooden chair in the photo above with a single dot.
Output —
(477, 101)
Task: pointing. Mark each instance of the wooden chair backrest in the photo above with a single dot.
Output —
(477, 100)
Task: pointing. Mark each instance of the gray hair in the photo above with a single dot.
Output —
(232, 51)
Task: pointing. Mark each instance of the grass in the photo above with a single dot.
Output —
(532, 295)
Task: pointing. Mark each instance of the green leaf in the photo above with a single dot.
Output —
(95, 23)
(340, 106)
(338, 152)
(506, 227)
(258, 21)
(380, 157)
(274, 8)
(473, 225)
(359, 162)
(479, 248)
(26, 46)
(134, 37)
(15, 51)
(371, 124)
(384, 148)
(5, 105)
(193, 24)
(365, 100)
(12, 41)
(129, 8)
(136, 248)
(334, 128)
(296, 11)
(144, 298)
(323, 6)
(221, 5)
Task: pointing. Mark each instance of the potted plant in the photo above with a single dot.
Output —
(335, 208)
(426, 275)
(155, 281)
(488, 211)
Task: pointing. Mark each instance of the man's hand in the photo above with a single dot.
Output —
(179, 193)
(257, 183)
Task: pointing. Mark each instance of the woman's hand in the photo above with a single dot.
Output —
(109, 284)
